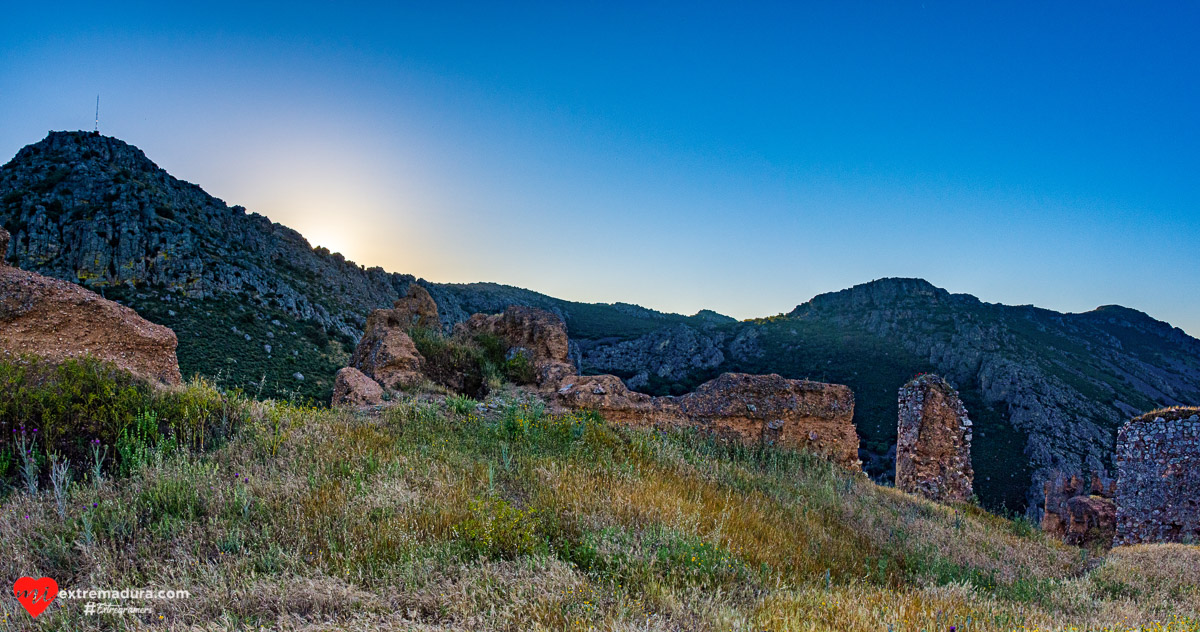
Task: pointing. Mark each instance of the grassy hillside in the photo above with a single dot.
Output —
(432, 515)
(225, 339)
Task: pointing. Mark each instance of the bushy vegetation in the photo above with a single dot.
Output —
(434, 515)
(473, 365)
(68, 410)
(213, 343)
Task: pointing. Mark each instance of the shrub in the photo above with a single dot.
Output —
(461, 404)
(80, 401)
(495, 529)
(455, 362)
(519, 370)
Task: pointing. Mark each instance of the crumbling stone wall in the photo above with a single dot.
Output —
(1158, 477)
(933, 444)
(1080, 513)
(753, 409)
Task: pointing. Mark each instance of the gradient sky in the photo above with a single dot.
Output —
(680, 156)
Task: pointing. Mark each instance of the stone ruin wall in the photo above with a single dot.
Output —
(933, 444)
(1080, 512)
(1158, 478)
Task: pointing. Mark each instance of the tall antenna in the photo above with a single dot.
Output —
(97, 130)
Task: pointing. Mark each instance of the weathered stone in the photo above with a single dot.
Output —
(352, 387)
(3, 246)
(58, 320)
(387, 355)
(538, 332)
(1091, 521)
(1158, 477)
(752, 409)
(416, 308)
(933, 444)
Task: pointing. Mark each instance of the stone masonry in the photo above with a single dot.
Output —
(933, 444)
(1158, 477)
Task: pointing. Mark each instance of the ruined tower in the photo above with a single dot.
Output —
(933, 444)
(1158, 477)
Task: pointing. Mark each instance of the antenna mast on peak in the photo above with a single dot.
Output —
(97, 129)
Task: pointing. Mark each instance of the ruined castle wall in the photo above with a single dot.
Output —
(933, 444)
(1158, 478)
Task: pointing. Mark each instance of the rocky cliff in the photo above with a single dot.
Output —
(252, 301)
(254, 305)
(56, 320)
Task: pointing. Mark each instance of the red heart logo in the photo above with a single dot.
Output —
(35, 594)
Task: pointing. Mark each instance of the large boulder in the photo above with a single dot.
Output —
(57, 320)
(352, 387)
(752, 409)
(608, 395)
(1078, 511)
(417, 308)
(537, 333)
(387, 355)
(933, 443)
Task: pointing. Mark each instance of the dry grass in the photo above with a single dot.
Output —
(435, 517)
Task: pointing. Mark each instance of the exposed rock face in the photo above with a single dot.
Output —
(3, 246)
(750, 408)
(933, 445)
(353, 388)
(540, 334)
(1158, 477)
(97, 211)
(672, 354)
(415, 308)
(386, 353)
(1076, 521)
(1091, 521)
(1064, 382)
(58, 320)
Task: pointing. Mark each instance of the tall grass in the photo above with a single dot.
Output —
(436, 516)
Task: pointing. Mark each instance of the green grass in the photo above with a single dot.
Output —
(209, 346)
(434, 516)
(63, 408)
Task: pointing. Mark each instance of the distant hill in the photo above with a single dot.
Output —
(253, 303)
(1046, 390)
(256, 307)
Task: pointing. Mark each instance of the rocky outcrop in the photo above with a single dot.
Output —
(352, 387)
(1080, 513)
(1091, 521)
(414, 309)
(753, 409)
(57, 320)
(1062, 382)
(1158, 477)
(933, 445)
(538, 334)
(386, 353)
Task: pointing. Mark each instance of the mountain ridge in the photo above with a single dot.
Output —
(256, 306)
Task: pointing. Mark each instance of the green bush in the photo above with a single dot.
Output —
(456, 362)
(81, 400)
(519, 370)
(496, 529)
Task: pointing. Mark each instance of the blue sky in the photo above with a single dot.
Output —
(681, 156)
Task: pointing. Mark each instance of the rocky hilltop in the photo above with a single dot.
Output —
(56, 320)
(252, 301)
(254, 305)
